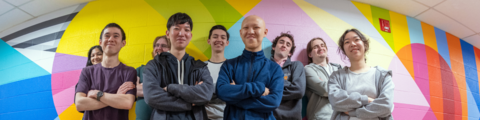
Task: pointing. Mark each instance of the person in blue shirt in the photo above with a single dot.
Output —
(250, 84)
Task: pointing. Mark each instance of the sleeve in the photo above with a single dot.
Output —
(154, 94)
(132, 77)
(84, 82)
(232, 94)
(316, 84)
(340, 99)
(295, 89)
(382, 106)
(266, 104)
(198, 94)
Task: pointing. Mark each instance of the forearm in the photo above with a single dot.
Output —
(83, 103)
(139, 93)
(119, 101)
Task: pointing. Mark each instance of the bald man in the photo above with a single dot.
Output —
(250, 84)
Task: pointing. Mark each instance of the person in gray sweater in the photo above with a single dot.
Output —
(294, 78)
(360, 92)
(317, 72)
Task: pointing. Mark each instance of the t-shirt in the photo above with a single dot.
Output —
(363, 83)
(216, 107)
(108, 80)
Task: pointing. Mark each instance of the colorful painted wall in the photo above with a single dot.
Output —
(435, 73)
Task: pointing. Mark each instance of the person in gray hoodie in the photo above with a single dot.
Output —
(176, 85)
(317, 72)
(360, 92)
(294, 75)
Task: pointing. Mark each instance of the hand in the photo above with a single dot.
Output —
(198, 83)
(370, 100)
(267, 91)
(93, 94)
(346, 113)
(126, 86)
(233, 82)
(139, 87)
(193, 104)
(165, 88)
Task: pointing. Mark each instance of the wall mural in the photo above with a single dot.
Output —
(435, 73)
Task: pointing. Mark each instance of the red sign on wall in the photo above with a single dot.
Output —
(385, 25)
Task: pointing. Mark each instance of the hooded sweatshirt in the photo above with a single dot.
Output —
(180, 78)
(293, 90)
(319, 107)
(251, 72)
(343, 99)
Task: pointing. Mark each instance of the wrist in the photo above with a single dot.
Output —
(99, 95)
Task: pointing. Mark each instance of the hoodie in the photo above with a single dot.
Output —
(180, 78)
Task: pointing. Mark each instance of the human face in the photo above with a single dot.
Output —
(218, 40)
(319, 50)
(283, 47)
(180, 35)
(111, 41)
(160, 46)
(353, 46)
(96, 56)
(252, 33)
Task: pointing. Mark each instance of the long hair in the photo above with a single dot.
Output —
(89, 62)
(309, 48)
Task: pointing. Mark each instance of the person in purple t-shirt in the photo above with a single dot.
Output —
(106, 91)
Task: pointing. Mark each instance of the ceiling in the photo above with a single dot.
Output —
(458, 17)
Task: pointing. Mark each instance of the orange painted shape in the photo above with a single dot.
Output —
(477, 60)
(405, 55)
(456, 60)
(435, 82)
(429, 36)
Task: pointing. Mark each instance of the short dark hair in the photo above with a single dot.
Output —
(124, 37)
(158, 38)
(89, 61)
(287, 34)
(221, 27)
(365, 41)
(310, 48)
(179, 18)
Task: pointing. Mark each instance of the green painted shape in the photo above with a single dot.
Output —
(223, 13)
(384, 14)
(208, 52)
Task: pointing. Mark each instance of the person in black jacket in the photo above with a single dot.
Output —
(176, 85)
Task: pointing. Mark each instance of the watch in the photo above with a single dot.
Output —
(99, 95)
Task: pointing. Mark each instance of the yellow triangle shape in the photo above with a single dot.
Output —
(243, 6)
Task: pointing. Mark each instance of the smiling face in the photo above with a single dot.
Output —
(160, 46)
(111, 41)
(283, 47)
(252, 33)
(218, 40)
(353, 46)
(179, 35)
(319, 50)
(96, 56)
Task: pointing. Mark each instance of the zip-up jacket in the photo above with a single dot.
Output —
(293, 90)
(180, 78)
(252, 72)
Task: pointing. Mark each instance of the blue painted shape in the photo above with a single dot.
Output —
(267, 47)
(57, 118)
(236, 46)
(14, 66)
(28, 99)
(27, 86)
(473, 112)
(442, 45)
(415, 30)
(470, 69)
(33, 114)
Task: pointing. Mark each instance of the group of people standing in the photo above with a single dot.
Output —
(175, 86)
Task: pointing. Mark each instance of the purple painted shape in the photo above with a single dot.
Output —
(409, 112)
(430, 115)
(65, 62)
(420, 67)
(295, 20)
